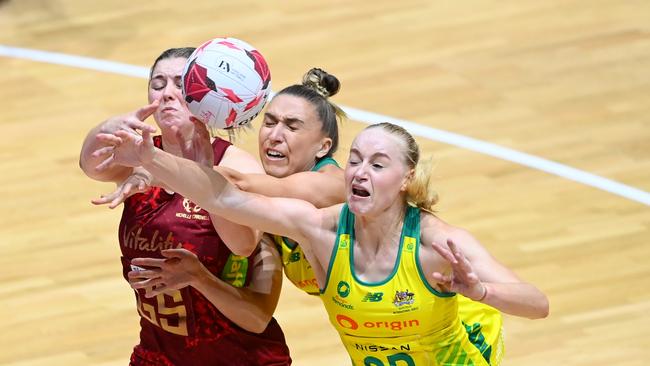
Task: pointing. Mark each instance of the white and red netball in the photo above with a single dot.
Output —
(226, 83)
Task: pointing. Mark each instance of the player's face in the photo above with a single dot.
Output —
(290, 138)
(375, 175)
(165, 85)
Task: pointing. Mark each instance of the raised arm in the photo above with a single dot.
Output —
(476, 274)
(293, 218)
(323, 188)
(97, 145)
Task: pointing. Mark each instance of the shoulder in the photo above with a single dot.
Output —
(330, 216)
(324, 162)
(435, 229)
(240, 160)
(320, 178)
(330, 169)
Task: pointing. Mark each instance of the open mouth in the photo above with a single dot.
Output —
(273, 154)
(360, 192)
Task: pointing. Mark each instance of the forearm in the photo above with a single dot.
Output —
(200, 184)
(88, 162)
(519, 299)
(210, 190)
(244, 307)
(320, 189)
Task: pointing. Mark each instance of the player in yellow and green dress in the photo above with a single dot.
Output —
(392, 321)
(389, 270)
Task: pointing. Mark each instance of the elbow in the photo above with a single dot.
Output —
(545, 309)
(90, 172)
(84, 168)
(542, 310)
(241, 241)
(243, 251)
(244, 245)
(258, 324)
(241, 184)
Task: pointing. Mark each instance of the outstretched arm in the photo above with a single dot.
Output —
(97, 145)
(476, 274)
(293, 218)
(323, 188)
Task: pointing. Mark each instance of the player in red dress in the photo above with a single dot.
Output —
(182, 326)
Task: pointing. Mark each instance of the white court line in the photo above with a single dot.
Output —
(75, 61)
(508, 154)
(434, 134)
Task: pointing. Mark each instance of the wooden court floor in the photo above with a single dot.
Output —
(563, 80)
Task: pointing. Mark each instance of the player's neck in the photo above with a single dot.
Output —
(372, 233)
(170, 145)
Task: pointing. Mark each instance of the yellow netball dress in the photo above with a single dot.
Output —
(401, 321)
(296, 267)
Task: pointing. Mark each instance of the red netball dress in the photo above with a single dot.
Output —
(183, 327)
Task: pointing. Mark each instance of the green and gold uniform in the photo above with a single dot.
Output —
(403, 321)
(296, 267)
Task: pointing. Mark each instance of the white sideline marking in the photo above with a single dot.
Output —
(434, 134)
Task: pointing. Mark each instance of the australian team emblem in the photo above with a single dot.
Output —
(403, 298)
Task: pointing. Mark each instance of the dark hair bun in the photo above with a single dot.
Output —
(320, 80)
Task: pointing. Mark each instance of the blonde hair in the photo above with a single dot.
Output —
(419, 192)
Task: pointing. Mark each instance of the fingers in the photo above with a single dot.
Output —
(147, 139)
(170, 253)
(119, 199)
(147, 274)
(444, 252)
(442, 278)
(174, 256)
(125, 136)
(142, 185)
(100, 201)
(144, 279)
(109, 138)
(146, 111)
(125, 190)
(146, 284)
(139, 125)
(114, 198)
(106, 150)
(445, 282)
(176, 253)
(157, 290)
(106, 164)
(178, 256)
(462, 265)
(104, 199)
(148, 262)
(196, 121)
(200, 128)
(454, 249)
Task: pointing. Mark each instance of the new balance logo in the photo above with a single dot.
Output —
(373, 297)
